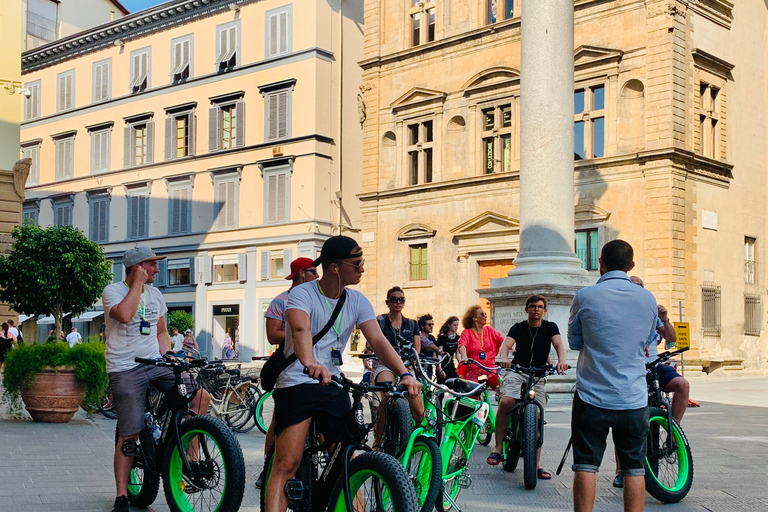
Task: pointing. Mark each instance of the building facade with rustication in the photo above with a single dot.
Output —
(670, 125)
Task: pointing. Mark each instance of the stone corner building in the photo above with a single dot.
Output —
(670, 126)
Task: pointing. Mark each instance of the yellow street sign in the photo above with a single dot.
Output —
(683, 330)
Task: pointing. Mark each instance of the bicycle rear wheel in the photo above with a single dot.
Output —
(239, 406)
(399, 426)
(486, 433)
(265, 408)
(217, 478)
(425, 469)
(669, 463)
(377, 484)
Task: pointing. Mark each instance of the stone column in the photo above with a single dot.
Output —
(546, 140)
(546, 264)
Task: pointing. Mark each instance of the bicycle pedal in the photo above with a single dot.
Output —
(464, 481)
(294, 490)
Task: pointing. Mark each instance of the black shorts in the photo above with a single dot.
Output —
(326, 404)
(666, 375)
(589, 431)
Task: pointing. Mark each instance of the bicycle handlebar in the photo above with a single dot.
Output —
(665, 357)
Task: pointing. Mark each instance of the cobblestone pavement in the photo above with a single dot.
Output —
(69, 467)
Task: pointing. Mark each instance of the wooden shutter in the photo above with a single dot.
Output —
(233, 44)
(231, 204)
(170, 137)
(184, 211)
(68, 157)
(242, 274)
(265, 260)
(184, 55)
(62, 99)
(28, 104)
(271, 210)
(272, 118)
(213, 129)
(281, 196)
(105, 78)
(287, 259)
(133, 217)
(221, 199)
(162, 275)
(143, 216)
(192, 279)
(207, 270)
(69, 94)
(178, 57)
(282, 115)
(150, 142)
(273, 36)
(175, 211)
(283, 32)
(104, 220)
(104, 151)
(128, 146)
(144, 71)
(59, 155)
(95, 151)
(240, 126)
(191, 133)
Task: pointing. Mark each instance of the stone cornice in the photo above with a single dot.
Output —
(714, 64)
(717, 11)
(129, 27)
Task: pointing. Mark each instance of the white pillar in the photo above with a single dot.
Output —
(546, 141)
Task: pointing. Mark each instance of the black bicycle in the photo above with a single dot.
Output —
(525, 432)
(198, 456)
(330, 479)
(668, 463)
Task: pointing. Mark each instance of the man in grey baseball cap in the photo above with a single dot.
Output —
(138, 255)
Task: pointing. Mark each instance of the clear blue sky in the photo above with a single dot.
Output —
(138, 5)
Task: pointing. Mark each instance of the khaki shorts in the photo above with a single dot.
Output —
(513, 382)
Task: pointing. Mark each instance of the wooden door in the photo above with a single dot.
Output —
(492, 270)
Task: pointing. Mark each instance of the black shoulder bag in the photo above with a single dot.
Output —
(277, 362)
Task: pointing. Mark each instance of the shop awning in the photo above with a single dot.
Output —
(46, 320)
(24, 318)
(88, 316)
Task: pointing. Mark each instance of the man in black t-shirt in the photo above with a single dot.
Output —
(531, 342)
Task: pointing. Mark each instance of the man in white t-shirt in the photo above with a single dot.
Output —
(73, 338)
(299, 397)
(134, 314)
(177, 339)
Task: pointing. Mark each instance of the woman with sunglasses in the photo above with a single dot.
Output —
(448, 343)
(480, 342)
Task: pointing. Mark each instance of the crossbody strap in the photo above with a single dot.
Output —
(317, 337)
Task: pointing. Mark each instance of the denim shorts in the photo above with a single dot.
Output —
(589, 431)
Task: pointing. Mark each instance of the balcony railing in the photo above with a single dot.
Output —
(749, 272)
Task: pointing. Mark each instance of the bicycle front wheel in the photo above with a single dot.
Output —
(399, 426)
(239, 406)
(265, 407)
(530, 445)
(668, 464)
(425, 469)
(486, 432)
(457, 463)
(377, 484)
(216, 480)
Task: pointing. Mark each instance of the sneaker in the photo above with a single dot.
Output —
(618, 482)
(121, 504)
(259, 482)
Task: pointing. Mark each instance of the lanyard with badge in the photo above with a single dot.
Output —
(336, 327)
(144, 328)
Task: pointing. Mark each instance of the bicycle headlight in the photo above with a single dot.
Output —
(532, 393)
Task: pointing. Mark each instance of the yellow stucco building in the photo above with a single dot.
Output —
(670, 124)
(226, 135)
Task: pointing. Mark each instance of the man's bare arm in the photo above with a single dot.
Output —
(163, 338)
(275, 331)
(127, 308)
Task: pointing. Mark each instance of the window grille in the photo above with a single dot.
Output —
(753, 315)
(710, 310)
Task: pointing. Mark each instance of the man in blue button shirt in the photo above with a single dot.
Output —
(611, 323)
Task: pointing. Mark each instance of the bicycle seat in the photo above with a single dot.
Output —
(233, 371)
(461, 385)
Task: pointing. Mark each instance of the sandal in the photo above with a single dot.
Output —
(543, 475)
(494, 459)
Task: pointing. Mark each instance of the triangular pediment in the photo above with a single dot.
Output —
(595, 55)
(487, 224)
(416, 230)
(418, 96)
(590, 213)
(494, 77)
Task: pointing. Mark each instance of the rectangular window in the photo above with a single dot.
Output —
(32, 100)
(423, 16)
(710, 310)
(139, 141)
(279, 31)
(179, 132)
(226, 124)
(750, 277)
(709, 119)
(138, 215)
(29, 214)
(497, 139)
(98, 205)
(278, 107)
(586, 248)
(418, 261)
(753, 315)
(589, 122)
(227, 45)
(225, 268)
(276, 266)
(276, 195)
(65, 91)
(179, 272)
(500, 10)
(227, 191)
(32, 151)
(100, 150)
(181, 59)
(181, 209)
(181, 137)
(64, 149)
(420, 148)
(62, 212)
(101, 81)
(140, 70)
(42, 21)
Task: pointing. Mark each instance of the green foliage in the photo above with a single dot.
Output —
(181, 320)
(52, 271)
(24, 363)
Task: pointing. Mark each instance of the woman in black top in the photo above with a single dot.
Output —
(448, 342)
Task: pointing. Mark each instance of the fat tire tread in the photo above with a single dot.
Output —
(436, 478)
(530, 445)
(399, 426)
(653, 487)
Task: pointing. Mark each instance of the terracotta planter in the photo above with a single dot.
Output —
(55, 395)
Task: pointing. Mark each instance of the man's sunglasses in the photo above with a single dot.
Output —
(396, 300)
(358, 266)
(311, 270)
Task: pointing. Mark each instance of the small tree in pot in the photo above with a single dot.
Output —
(53, 271)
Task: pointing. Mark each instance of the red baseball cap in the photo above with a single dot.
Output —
(298, 265)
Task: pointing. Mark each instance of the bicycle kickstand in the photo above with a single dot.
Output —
(450, 500)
